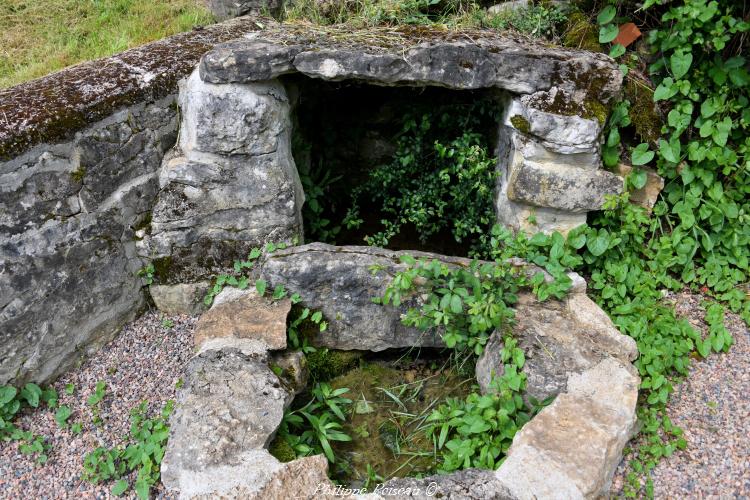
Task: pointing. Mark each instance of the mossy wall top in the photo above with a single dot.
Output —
(53, 108)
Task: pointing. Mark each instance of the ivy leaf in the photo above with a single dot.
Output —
(720, 134)
(141, 489)
(638, 178)
(666, 90)
(680, 63)
(62, 415)
(608, 33)
(708, 108)
(606, 15)
(260, 286)
(456, 306)
(641, 154)
(616, 51)
(31, 393)
(7, 393)
(599, 243)
(670, 151)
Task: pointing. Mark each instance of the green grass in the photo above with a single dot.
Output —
(38, 37)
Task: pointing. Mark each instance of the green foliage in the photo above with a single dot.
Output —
(144, 453)
(240, 278)
(311, 429)
(702, 73)
(534, 20)
(442, 177)
(478, 430)
(316, 184)
(467, 304)
(12, 401)
(147, 273)
(628, 273)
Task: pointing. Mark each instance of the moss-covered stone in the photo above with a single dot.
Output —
(521, 123)
(325, 364)
(162, 268)
(643, 113)
(282, 450)
(561, 105)
(581, 33)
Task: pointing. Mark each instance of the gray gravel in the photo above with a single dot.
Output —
(144, 362)
(713, 408)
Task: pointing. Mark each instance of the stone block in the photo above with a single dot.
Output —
(573, 190)
(182, 298)
(243, 314)
(648, 195)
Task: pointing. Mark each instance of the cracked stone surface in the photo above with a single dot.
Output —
(558, 338)
(231, 405)
(231, 184)
(407, 56)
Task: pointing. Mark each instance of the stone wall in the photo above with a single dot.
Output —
(79, 156)
(92, 189)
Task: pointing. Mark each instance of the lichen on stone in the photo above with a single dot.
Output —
(78, 174)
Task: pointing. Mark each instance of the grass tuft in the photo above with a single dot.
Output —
(38, 37)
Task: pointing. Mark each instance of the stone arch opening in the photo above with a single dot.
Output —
(342, 132)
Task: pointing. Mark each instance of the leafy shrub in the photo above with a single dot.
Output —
(441, 177)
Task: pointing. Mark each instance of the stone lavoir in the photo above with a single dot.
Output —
(229, 183)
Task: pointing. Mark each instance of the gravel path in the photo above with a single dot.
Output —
(713, 408)
(144, 362)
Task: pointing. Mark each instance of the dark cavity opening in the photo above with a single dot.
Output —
(370, 147)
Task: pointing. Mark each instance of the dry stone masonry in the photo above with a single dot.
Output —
(232, 402)
(232, 182)
(95, 187)
(80, 153)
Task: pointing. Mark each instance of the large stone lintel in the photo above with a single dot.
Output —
(404, 56)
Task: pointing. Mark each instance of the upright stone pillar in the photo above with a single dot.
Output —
(230, 184)
(549, 160)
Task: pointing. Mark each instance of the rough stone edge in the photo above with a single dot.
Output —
(53, 108)
(597, 393)
(578, 285)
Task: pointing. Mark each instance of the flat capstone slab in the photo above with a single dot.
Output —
(413, 56)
